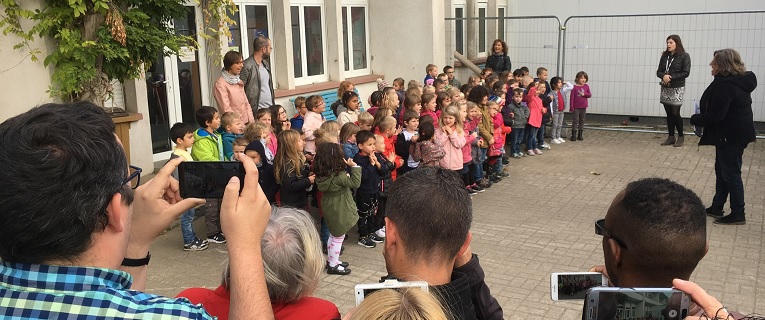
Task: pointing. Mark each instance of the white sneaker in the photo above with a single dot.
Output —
(561, 140)
(555, 141)
(380, 233)
(545, 146)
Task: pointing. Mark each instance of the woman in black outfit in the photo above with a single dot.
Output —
(726, 116)
(674, 67)
(498, 61)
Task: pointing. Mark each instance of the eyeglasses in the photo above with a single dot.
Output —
(600, 229)
(135, 175)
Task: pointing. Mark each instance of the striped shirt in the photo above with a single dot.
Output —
(34, 291)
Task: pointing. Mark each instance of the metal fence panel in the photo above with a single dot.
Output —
(621, 55)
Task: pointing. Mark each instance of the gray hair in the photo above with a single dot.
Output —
(292, 256)
(729, 62)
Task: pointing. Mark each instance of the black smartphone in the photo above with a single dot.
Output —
(208, 179)
(606, 303)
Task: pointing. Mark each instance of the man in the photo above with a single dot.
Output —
(428, 237)
(75, 238)
(256, 75)
(454, 83)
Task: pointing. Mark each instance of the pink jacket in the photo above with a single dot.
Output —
(432, 114)
(535, 108)
(452, 145)
(271, 143)
(231, 98)
(312, 122)
(500, 130)
(469, 138)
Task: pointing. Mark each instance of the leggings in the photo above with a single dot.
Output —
(674, 120)
(333, 249)
(579, 115)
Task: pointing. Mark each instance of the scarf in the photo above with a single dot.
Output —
(230, 78)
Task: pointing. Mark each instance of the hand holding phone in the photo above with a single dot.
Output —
(207, 179)
(574, 285)
(362, 290)
(630, 303)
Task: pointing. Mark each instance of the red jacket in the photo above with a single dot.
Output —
(536, 109)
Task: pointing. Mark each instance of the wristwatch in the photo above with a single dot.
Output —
(127, 262)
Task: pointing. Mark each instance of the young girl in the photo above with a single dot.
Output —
(381, 114)
(443, 100)
(313, 119)
(347, 139)
(259, 132)
(450, 136)
(291, 172)
(558, 106)
(425, 150)
(337, 201)
(339, 106)
(329, 131)
(279, 120)
(264, 116)
(366, 120)
(579, 103)
(535, 116)
(375, 101)
(429, 106)
(351, 103)
(390, 99)
(473, 162)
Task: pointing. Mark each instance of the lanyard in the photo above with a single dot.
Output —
(669, 63)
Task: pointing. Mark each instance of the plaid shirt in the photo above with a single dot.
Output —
(33, 291)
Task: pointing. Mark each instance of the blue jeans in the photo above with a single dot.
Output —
(475, 169)
(541, 135)
(187, 229)
(516, 137)
(728, 177)
(324, 232)
(531, 144)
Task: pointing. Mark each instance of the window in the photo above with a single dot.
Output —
(251, 20)
(481, 28)
(501, 24)
(308, 43)
(459, 29)
(355, 45)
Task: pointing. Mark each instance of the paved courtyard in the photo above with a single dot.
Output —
(541, 220)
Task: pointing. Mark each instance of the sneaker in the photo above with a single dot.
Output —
(484, 183)
(715, 213)
(477, 188)
(546, 146)
(495, 178)
(531, 152)
(338, 270)
(561, 140)
(366, 242)
(504, 174)
(373, 236)
(196, 245)
(537, 151)
(470, 191)
(217, 238)
(555, 141)
(380, 233)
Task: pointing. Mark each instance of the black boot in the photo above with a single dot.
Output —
(573, 135)
(579, 135)
(733, 218)
(715, 212)
(670, 141)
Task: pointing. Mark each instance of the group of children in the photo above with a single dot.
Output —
(347, 166)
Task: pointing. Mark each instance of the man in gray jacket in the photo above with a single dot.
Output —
(256, 75)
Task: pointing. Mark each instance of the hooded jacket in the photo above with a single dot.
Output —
(337, 201)
(726, 111)
(207, 146)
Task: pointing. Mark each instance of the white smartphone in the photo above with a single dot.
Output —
(574, 285)
(362, 290)
(608, 303)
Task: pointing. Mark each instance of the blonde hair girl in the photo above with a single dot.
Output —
(407, 304)
(329, 131)
(290, 170)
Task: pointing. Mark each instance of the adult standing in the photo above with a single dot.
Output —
(256, 74)
(674, 67)
(498, 61)
(229, 89)
(726, 116)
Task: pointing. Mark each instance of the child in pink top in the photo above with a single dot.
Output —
(580, 96)
(450, 135)
(536, 110)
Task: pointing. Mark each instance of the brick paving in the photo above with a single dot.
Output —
(540, 221)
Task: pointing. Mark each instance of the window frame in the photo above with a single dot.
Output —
(348, 5)
(462, 6)
(501, 23)
(482, 51)
(305, 79)
(244, 47)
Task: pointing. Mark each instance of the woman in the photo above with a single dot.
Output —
(229, 89)
(726, 116)
(674, 67)
(498, 61)
(293, 262)
(279, 120)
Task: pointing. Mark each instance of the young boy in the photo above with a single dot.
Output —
(404, 140)
(368, 193)
(183, 136)
(387, 129)
(297, 121)
(239, 145)
(519, 113)
(439, 85)
(208, 146)
(431, 71)
(366, 120)
(233, 128)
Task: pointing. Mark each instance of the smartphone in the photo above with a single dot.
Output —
(605, 303)
(208, 179)
(362, 290)
(574, 285)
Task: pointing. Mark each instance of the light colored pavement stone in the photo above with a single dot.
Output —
(541, 220)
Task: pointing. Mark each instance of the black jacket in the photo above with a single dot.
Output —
(370, 175)
(679, 69)
(499, 64)
(726, 111)
(293, 189)
(467, 296)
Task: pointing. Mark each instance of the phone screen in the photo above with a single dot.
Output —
(207, 180)
(575, 286)
(626, 303)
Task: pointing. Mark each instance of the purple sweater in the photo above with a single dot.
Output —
(580, 96)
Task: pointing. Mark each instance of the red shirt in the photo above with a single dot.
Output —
(217, 302)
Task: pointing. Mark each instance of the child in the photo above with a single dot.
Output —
(480, 96)
(497, 150)
(387, 180)
(473, 143)
(183, 136)
(297, 121)
(366, 120)
(558, 105)
(474, 81)
(279, 121)
(368, 193)
(443, 100)
(239, 145)
(264, 116)
(329, 131)
(536, 110)
(379, 116)
(450, 136)
(291, 172)
(257, 152)
(546, 102)
(579, 103)
(337, 201)
(429, 106)
(390, 99)
(405, 138)
(411, 102)
(351, 104)
(439, 85)
(519, 113)
(313, 119)
(387, 129)
(398, 86)
(348, 139)
(259, 132)
(233, 128)
(431, 71)
(375, 101)
(208, 146)
(454, 94)
(424, 150)
(338, 106)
